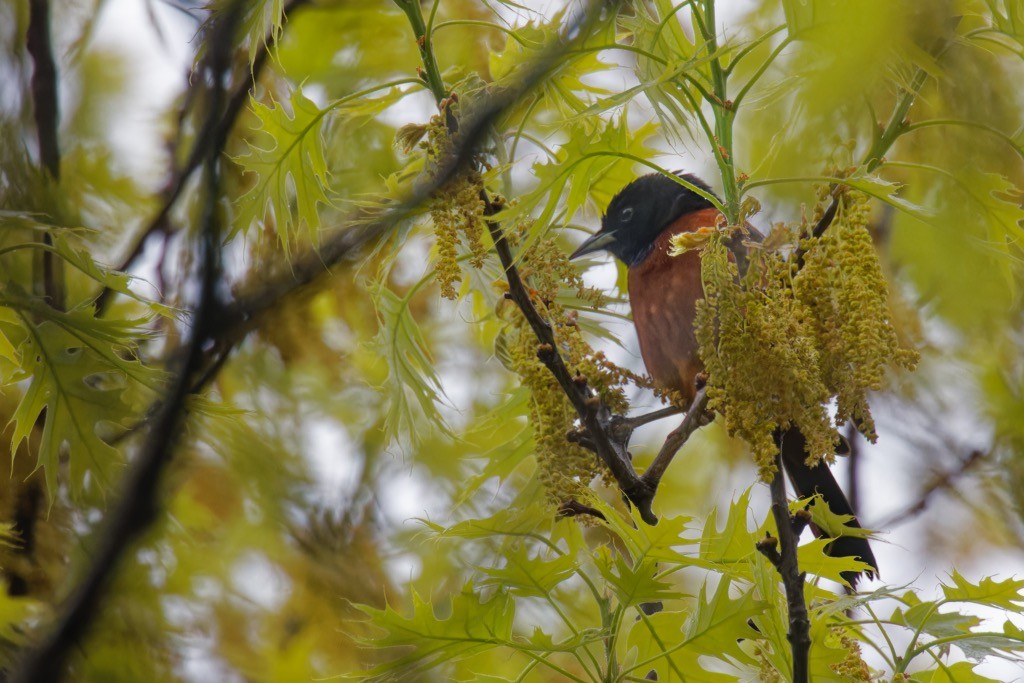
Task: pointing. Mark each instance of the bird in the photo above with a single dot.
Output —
(663, 294)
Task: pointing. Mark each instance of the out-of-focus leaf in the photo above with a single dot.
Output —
(832, 524)
(593, 165)
(290, 168)
(474, 623)
(263, 19)
(116, 281)
(564, 83)
(512, 521)
(734, 543)
(529, 575)
(15, 611)
(927, 618)
(887, 192)
(10, 323)
(660, 645)
(719, 622)
(643, 541)
(412, 385)
(77, 366)
(504, 457)
(813, 559)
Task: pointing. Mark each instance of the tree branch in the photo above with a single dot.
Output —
(44, 86)
(594, 414)
(46, 112)
(782, 554)
(622, 427)
(675, 440)
(136, 507)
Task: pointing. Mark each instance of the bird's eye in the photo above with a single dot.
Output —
(626, 215)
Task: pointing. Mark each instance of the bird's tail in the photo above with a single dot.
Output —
(808, 481)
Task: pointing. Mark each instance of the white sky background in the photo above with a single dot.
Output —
(890, 479)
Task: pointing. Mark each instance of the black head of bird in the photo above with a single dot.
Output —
(640, 212)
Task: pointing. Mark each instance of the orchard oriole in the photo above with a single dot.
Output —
(663, 295)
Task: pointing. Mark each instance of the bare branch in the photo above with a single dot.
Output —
(676, 439)
(46, 112)
(44, 86)
(941, 482)
(137, 505)
(623, 427)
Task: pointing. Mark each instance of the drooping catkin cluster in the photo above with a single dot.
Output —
(783, 341)
(852, 667)
(456, 211)
(843, 284)
(565, 468)
(761, 359)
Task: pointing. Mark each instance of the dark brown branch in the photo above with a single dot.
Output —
(44, 86)
(823, 223)
(46, 112)
(137, 506)
(783, 556)
(211, 130)
(574, 508)
(595, 415)
(622, 427)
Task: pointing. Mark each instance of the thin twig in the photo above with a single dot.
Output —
(137, 505)
(676, 439)
(622, 428)
(942, 482)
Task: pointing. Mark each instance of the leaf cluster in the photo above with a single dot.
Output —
(617, 604)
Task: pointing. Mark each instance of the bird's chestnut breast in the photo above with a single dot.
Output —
(663, 294)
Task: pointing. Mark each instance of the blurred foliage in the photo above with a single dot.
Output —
(367, 487)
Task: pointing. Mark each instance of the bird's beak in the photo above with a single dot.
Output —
(596, 242)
